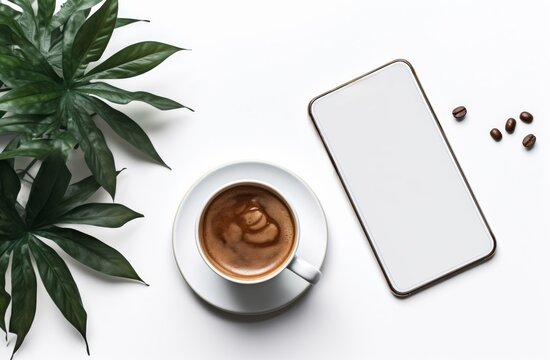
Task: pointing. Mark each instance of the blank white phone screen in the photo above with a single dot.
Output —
(406, 187)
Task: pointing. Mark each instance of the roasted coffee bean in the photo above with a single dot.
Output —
(496, 134)
(529, 141)
(526, 117)
(459, 112)
(510, 125)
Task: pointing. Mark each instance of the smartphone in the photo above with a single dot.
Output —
(402, 178)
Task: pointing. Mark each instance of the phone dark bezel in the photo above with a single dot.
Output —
(443, 277)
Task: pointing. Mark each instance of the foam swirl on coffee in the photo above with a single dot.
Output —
(247, 231)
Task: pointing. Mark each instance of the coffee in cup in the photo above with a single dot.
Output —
(248, 233)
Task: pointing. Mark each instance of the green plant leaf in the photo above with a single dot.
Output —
(27, 20)
(126, 128)
(46, 9)
(5, 298)
(11, 224)
(12, 145)
(23, 124)
(68, 9)
(64, 142)
(9, 11)
(120, 22)
(120, 96)
(25, 49)
(76, 194)
(60, 285)
(15, 72)
(91, 252)
(25, 5)
(56, 41)
(49, 193)
(96, 153)
(23, 293)
(92, 37)
(46, 99)
(36, 98)
(69, 32)
(132, 61)
(105, 215)
(9, 182)
(12, 25)
(48, 188)
(35, 149)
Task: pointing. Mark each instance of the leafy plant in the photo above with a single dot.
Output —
(52, 201)
(51, 93)
(51, 89)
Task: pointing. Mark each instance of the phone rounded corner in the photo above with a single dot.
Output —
(312, 104)
(404, 62)
(400, 294)
(492, 251)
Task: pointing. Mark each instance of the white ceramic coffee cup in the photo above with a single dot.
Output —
(293, 263)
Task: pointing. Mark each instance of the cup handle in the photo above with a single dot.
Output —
(304, 270)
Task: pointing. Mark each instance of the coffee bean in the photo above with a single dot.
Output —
(496, 134)
(459, 112)
(526, 117)
(510, 125)
(529, 141)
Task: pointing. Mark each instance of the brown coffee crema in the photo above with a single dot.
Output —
(247, 231)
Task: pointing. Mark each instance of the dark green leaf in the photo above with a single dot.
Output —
(60, 285)
(91, 252)
(12, 25)
(105, 215)
(9, 182)
(69, 8)
(93, 36)
(36, 98)
(14, 72)
(132, 61)
(34, 149)
(46, 9)
(69, 32)
(12, 145)
(23, 124)
(48, 188)
(64, 142)
(5, 298)
(25, 5)
(6, 10)
(25, 49)
(44, 41)
(5, 36)
(76, 194)
(23, 283)
(56, 41)
(11, 224)
(96, 153)
(27, 20)
(120, 96)
(127, 129)
(120, 22)
(37, 148)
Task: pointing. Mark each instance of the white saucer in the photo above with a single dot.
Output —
(258, 298)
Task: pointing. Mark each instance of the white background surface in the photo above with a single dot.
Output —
(253, 69)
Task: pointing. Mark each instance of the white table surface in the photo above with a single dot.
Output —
(252, 71)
